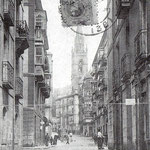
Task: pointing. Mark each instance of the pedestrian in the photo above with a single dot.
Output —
(67, 138)
(51, 140)
(70, 135)
(55, 139)
(47, 138)
(100, 139)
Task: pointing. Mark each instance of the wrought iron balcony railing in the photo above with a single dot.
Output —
(8, 75)
(115, 79)
(22, 35)
(125, 67)
(46, 91)
(22, 28)
(19, 87)
(140, 47)
(9, 12)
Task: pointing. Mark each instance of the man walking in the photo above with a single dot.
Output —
(47, 138)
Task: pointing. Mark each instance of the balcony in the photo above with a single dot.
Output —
(19, 88)
(39, 73)
(22, 34)
(140, 43)
(46, 91)
(99, 82)
(104, 61)
(8, 75)
(115, 79)
(9, 12)
(41, 83)
(101, 70)
(123, 7)
(125, 67)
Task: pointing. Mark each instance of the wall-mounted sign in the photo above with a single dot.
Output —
(130, 101)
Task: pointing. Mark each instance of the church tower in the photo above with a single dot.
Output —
(79, 69)
(79, 59)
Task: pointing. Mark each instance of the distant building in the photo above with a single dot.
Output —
(99, 88)
(65, 113)
(85, 97)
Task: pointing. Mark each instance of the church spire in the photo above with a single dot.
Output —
(79, 41)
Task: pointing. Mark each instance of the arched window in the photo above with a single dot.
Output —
(81, 66)
(4, 112)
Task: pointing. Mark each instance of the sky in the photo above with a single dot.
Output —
(61, 42)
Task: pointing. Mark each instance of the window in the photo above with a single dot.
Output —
(39, 20)
(80, 66)
(39, 55)
(38, 33)
(5, 97)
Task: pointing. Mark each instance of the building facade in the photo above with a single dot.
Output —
(128, 75)
(65, 114)
(22, 90)
(14, 41)
(85, 97)
(99, 89)
(37, 76)
(49, 101)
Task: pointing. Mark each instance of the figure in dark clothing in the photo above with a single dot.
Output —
(51, 140)
(67, 138)
(55, 139)
(100, 138)
(47, 138)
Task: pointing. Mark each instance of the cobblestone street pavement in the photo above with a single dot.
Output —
(79, 143)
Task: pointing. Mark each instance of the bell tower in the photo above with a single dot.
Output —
(79, 69)
(79, 59)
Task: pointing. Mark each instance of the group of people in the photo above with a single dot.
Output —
(99, 139)
(52, 140)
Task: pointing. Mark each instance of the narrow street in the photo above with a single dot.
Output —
(79, 143)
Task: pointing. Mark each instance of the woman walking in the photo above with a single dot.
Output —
(100, 139)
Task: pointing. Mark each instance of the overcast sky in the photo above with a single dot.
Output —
(61, 41)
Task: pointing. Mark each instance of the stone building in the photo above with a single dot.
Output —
(128, 75)
(85, 97)
(49, 101)
(25, 74)
(14, 41)
(99, 88)
(65, 114)
(79, 68)
(37, 76)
